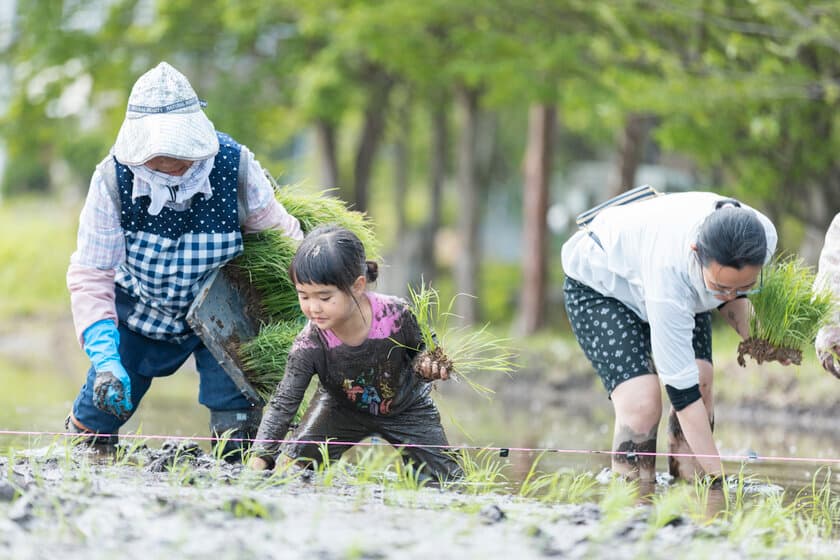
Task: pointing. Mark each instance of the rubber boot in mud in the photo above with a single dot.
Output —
(105, 443)
(232, 431)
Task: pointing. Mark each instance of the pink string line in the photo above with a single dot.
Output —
(501, 450)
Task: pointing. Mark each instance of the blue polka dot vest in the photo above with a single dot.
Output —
(169, 256)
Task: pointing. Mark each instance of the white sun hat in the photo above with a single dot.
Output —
(164, 118)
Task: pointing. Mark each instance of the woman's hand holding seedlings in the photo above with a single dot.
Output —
(828, 349)
(829, 361)
(431, 368)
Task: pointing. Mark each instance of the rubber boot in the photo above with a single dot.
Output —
(101, 442)
(235, 430)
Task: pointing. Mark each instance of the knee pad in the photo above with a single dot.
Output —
(234, 430)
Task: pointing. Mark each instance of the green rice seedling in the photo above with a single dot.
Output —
(618, 501)
(787, 313)
(560, 486)
(534, 483)
(482, 474)
(766, 521)
(464, 351)
(325, 463)
(671, 507)
(372, 463)
(125, 455)
(264, 356)
(818, 506)
(572, 488)
(409, 476)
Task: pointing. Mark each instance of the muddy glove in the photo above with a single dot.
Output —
(112, 386)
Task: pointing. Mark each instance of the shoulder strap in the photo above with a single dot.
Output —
(633, 195)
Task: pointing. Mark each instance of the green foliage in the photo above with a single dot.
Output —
(788, 311)
(36, 240)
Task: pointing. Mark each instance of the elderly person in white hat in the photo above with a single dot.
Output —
(165, 208)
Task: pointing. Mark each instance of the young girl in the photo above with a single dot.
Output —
(360, 344)
(640, 282)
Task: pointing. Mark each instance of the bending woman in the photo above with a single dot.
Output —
(641, 281)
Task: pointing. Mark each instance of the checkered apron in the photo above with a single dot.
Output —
(169, 256)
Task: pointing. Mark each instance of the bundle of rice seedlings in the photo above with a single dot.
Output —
(463, 351)
(787, 313)
(315, 209)
(264, 356)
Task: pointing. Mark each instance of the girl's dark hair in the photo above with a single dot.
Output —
(331, 255)
(732, 236)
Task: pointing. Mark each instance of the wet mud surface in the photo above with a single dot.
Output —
(179, 502)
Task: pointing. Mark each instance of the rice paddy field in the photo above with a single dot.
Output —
(163, 494)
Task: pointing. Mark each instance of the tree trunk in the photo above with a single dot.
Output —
(538, 163)
(402, 147)
(469, 208)
(327, 152)
(374, 125)
(437, 175)
(631, 150)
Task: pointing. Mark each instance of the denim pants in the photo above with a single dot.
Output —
(144, 358)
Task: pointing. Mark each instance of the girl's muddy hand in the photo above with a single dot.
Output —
(257, 464)
(431, 369)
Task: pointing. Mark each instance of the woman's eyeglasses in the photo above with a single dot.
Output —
(735, 292)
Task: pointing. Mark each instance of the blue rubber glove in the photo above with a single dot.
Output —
(112, 386)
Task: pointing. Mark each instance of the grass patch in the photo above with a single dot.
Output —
(37, 237)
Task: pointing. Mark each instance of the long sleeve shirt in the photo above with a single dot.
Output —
(101, 241)
(643, 257)
(376, 377)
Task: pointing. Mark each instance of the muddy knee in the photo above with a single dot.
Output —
(635, 450)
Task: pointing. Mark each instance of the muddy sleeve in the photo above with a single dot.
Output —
(284, 403)
(828, 277)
